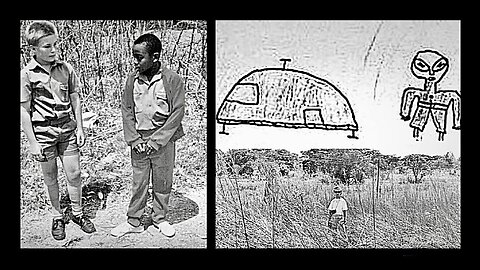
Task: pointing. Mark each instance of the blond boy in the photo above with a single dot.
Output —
(51, 118)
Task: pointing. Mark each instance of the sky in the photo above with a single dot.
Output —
(368, 61)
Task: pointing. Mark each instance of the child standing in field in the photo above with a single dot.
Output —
(49, 96)
(152, 110)
(337, 210)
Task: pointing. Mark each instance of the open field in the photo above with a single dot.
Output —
(399, 215)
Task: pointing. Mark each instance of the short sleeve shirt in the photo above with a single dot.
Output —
(150, 99)
(338, 205)
(49, 92)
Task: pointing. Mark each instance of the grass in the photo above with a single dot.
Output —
(106, 158)
(425, 215)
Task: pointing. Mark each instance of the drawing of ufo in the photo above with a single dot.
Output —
(288, 98)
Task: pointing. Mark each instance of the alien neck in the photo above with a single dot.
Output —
(431, 87)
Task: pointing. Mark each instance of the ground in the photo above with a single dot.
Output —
(187, 214)
(106, 177)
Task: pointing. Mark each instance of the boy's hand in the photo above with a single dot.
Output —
(149, 149)
(37, 152)
(139, 148)
(80, 137)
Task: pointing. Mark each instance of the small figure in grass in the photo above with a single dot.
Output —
(152, 111)
(337, 211)
(49, 97)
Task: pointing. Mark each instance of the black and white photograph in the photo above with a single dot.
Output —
(315, 135)
(113, 134)
(340, 134)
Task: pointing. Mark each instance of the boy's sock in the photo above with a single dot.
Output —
(54, 196)
(75, 194)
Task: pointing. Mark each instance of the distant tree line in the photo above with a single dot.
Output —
(244, 162)
(347, 166)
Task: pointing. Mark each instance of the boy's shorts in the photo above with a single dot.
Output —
(57, 138)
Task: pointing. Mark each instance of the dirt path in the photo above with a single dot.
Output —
(188, 216)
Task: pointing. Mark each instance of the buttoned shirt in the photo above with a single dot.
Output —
(48, 91)
(150, 99)
(171, 129)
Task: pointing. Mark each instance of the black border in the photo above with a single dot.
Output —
(201, 257)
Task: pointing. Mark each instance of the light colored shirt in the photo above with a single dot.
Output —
(172, 128)
(338, 205)
(48, 91)
(150, 99)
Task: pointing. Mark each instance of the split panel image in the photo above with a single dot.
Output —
(337, 134)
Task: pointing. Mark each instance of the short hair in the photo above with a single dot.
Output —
(38, 29)
(152, 43)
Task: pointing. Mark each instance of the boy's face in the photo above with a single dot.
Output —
(45, 51)
(143, 60)
(338, 194)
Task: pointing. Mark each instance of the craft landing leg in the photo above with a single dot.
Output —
(353, 136)
(223, 130)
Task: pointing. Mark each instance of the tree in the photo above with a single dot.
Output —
(246, 171)
(450, 160)
(419, 164)
(346, 165)
(309, 166)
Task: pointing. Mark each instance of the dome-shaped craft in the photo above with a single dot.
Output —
(289, 98)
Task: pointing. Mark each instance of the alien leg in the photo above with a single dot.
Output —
(440, 120)
(416, 133)
(419, 121)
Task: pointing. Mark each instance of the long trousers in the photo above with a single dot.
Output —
(159, 167)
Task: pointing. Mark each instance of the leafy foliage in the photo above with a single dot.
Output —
(420, 165)
(100, 51)
(345, 166)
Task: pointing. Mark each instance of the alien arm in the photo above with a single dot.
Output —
(455, 101)
(408, 96)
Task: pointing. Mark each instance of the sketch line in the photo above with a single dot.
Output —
(285, 60)
(375, 86)
(430, 66)
(289, 98)
(288, 125)
(371, 44)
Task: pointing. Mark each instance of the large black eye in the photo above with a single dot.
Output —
(440, 64)
(420, 65)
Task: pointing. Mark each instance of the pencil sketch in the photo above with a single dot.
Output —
(288, 98)
(431, 67)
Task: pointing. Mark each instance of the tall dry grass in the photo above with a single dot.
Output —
(425, 215)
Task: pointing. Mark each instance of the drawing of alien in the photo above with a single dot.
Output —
(430, 66)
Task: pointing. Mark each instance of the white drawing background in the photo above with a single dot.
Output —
(344, 53)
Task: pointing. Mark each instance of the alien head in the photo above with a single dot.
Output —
(429, 65)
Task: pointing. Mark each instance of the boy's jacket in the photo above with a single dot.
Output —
(172, 129)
